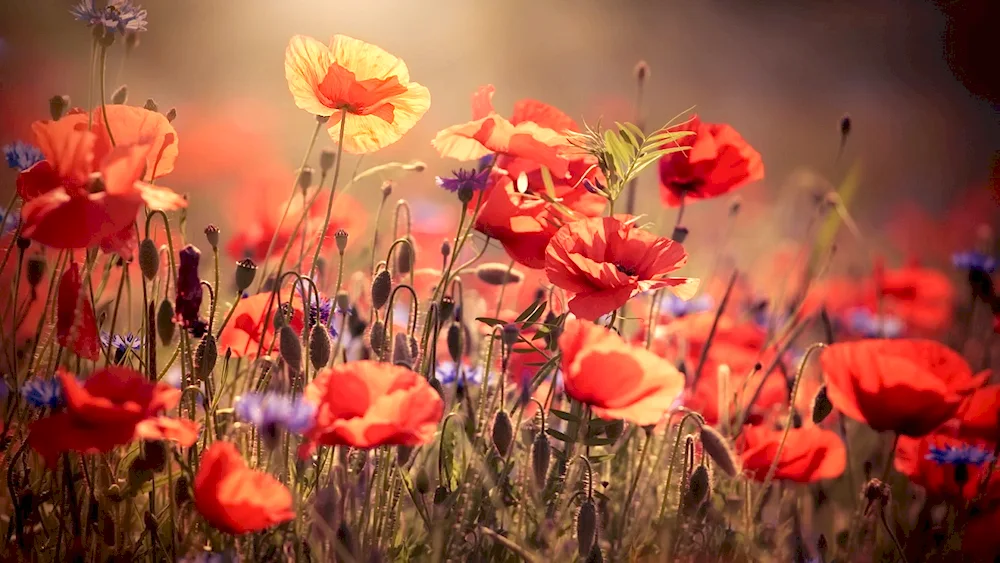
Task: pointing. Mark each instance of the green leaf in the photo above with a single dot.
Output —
(596, 459)
(567, 416)
(491, 322)
(598, 441)
(559, 435)
(550, 187)
(529, 311)
(451, 453)
(536, 314)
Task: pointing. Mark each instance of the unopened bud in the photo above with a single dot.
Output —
(376, 338)
(387, 188)
(212, 235)
(290, 347)
(541, 452)
(717, 448)
(401, 351)
(165, 322)
(120, 96)
(151, 105)
(205, 357)
(446, 248)
(246, 271)
(149, 258)
(822, 407)
(58, 106)
(35, 270)
(340, 237)
(305, 178)
(845, 125)
(327, 158)
(586, 527)
(171, 115)
(404, 257)
(699, 485)
(319, 346)
(422, 482)
(381, 289)
(343, 300)
(454, 341)
(641, 71)
(503, 432)
(495, 273)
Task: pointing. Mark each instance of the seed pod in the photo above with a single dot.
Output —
(305, 178)
(422, 482)
(404, 257)
(171, 115)
(151, 105)
(680, 234)
(205, 357)
(291, 348)
(58, 106)
(35, 270)
(454, 341)
(343, 301)
(446, 248)
(494, 273)
(381, 289)
(212, 235)
(541, 451)
(327, 158)
(440, 494)
(120, 96)
(376, 337)
(717, 448)
(401, 351)
(165, 322)
(586, 527)
(246, 271)
(503, 432)
(387, 188)
(23, 243)
(822, 407)
(340, 238)
(149, 258)
(319, 346)
(614, 429)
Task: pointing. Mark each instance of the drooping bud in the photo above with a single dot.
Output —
(189, 290)
(246, 271)
(423, 481)
(641, 71)
(327, 158)
(205, 357)
(305, 178)
(541, 452)
(404, 257)
(403, 454)
(120, 96)
(149, 258)
(454, 341)
(151, 105)
(699, 487)
(291, 348)
(340, 237)
(319, 346)
(401, 351)
(586, 527)
(822, 407)
(35, 270)
(212, 236)
(503, 432)
(343, 300)
(447, 309)
(845, 125)
(58, 106)
(381, 289)
(165, 322)
(680, 234)
(376, 338)
(717, 448)
(495, 273)
(387, 188)
(509, 335)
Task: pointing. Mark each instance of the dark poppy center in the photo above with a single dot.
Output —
(625, 269)
(688, 185)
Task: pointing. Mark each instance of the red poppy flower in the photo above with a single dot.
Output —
(905, 386)
(76, 326)
(809, 453)
(921, 297)
(535, 132)
(911, 459)
(181, 431)
(717, 161)
(616, 379)
(979, 415)
(236, 499)
(523, 223)
(365, 404)
(604, 262)
(705, 396)
(248, 331)
(568, 191)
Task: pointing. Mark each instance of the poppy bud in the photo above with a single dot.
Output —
(416, 166)
(58, 106)
(495, 273)
(717, 448)
(387, 188)
(35, 270)
(343, 300)
(171, 115)
(403, 454)
(401, 351)
(165, 322)
(305, 178)
(822, 407)
(212, 235)
(422, 482)
(699, 485)
(149, 258)
(641, 70)
(596, 555)
(586, 527)
(454, 341)
(120, 96)
(150, 105)
(182, 491)
(614, 429)
(845, 125)
(680, 234)
(340, 237)
(447, 309)
(404, 257)
(246, 271)
(510, 334)
(440, 494)
(376, 337)
(319, 346)
(291, 348)
(381, 289)
(821, 546)
(23, 243)
(541, 452)
(205, 357)
(503, 432)
(327, 158)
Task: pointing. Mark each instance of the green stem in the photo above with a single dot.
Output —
(333, 191)
(104, 107)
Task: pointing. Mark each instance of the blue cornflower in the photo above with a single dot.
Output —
(21, 156)
(273, 410)
(119, 16)
(8, 220)
(448, 373)
(965, 454)
(974, 261)
(464, 179)
(43, 393)
(121, 344)
(677, 307)
(863, 322)
(486, 162)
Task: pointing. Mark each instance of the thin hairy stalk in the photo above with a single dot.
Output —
(333, 191)
(104, 106)
(715, 326)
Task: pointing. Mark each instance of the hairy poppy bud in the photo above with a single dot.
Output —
(403, 454)
(205, 357)
(150, 105)
(680, 234)
(319, 346)
(699, 485)
(495, 273)
(343, 300)
(447, 309)
(822, 407)
(182, 491)
(717, 448)
(446, 248)
(404, 257)
(340, 237)
(387, 188)
(171, 115)
(58, 106)
(422, 482)
(212, 235)
(401, 351)
(845, 125)
(541, 452)
(586, 527)
(149, 258)
(305, 178)
(290, 347)
(246, 271)
(614, 429)
(165, 322)
(35, 270)
(381, 289)
(641, 70)
(327, 158)
(503, 432)
(120, 96)
(454, 340)
(376, 338)
(23, 243)
(510, 334)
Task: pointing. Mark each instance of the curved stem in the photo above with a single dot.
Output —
(333, 190)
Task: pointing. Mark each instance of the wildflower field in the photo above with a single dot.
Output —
(551, 337)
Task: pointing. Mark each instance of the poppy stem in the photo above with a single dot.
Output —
(104, 107)
(378, 218)
(680, 212)
(715, 325)
(333, 191)
(626, 512)
(114, 315)
(892, 536)
(673, 459)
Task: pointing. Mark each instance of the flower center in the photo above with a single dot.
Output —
(627, 270)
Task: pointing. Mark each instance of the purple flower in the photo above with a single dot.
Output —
(863, 322)
(8, 220)
(273, 410)
(965, 454)
(678, 307)
(21, 156)
(469, 180)
(189, 292)
(974, 261)
(119, 16)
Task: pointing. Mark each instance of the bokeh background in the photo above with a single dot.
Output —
(915, 77)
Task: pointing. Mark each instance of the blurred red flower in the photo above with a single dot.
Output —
(979, 415)
(523, 223)
(76, 326)
(907, 386)
(249, 331)
(617, 380)
(940, 479)
(236, 499)
(921, 297)
(717, 161)
(604, 262)
(809, 453)
(706, 397)
(366, 404)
